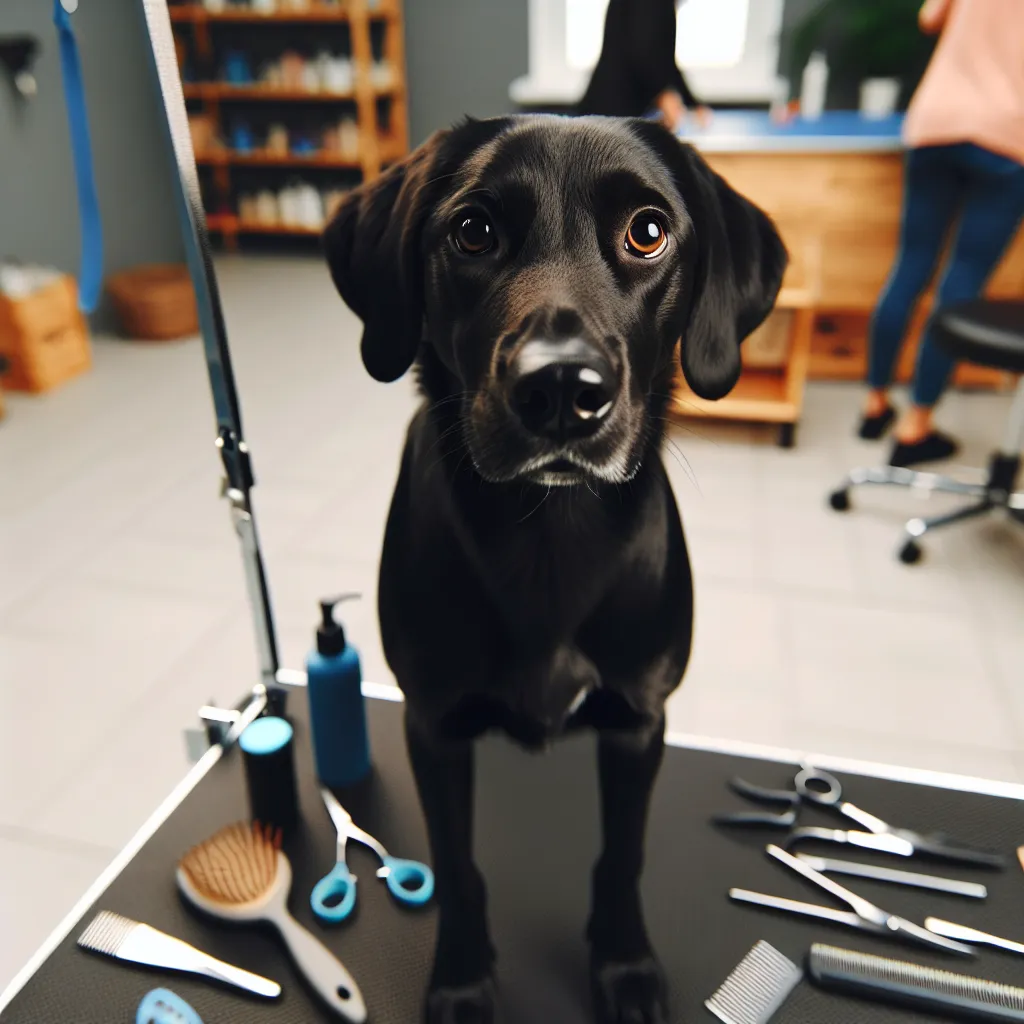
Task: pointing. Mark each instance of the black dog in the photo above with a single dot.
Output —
(540, 271)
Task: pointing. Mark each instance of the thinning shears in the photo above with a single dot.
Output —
(863, 914)
(334, 896)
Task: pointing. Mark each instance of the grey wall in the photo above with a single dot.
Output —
(461, 56)
(38, 204)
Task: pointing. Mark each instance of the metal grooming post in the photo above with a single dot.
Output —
(235, 456)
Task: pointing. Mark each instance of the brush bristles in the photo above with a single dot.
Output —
(236, 865)
(106, 933)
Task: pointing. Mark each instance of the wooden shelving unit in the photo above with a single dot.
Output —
(232, 225)
(223, 91)
(206, 33)
(315, 13)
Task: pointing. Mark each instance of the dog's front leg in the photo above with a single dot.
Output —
(461, 986)
(627, 981)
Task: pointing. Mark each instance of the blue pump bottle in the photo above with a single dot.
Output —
(341, 746)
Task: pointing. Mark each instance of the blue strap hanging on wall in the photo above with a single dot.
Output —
(90, 278)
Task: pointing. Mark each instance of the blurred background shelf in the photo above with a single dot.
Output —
(311, 98)
(270, 93)
(276, 160)
(228, 224)
(315, 13)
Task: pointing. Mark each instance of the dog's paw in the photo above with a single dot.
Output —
(629, 993)
(463, 1004)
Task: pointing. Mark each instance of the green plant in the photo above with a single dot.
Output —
(862, 39)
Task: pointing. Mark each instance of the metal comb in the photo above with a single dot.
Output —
(896, 981)
(757, 987)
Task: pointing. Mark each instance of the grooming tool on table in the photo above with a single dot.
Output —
(880, 843)
(894, 981)
(823, 788)
(787, 819)
(161, 1006)
(756, 988)
(782, 819)
(269, 757)
(239, 874)
(863, 914)
(962, 933)
(953, 886)
(125, 939)
(334, 896)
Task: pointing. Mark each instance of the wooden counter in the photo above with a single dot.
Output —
(835, 184)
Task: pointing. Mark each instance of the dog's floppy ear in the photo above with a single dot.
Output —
(739, 263)
(372, 245)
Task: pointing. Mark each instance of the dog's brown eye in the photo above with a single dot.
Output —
(473, 234)
(646, 237)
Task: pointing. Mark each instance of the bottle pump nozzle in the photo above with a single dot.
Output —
(330, 636)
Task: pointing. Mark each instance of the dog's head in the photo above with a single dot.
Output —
(551, 265)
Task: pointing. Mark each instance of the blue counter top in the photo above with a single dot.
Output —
(837, 131)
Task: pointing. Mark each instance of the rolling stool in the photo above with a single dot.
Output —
(989, 334)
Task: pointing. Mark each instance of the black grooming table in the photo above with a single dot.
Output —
(537, 835)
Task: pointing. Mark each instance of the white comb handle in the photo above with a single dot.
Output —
(147, 945)
(323, 970)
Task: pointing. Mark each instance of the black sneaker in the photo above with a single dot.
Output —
(873, 427)
(929, 449)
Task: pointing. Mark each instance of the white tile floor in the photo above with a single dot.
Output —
(122, 605)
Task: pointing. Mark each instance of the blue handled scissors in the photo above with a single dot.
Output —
(334, 896)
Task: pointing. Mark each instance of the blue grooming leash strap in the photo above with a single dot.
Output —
(90, 278)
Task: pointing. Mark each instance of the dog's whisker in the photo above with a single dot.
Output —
(444, 435)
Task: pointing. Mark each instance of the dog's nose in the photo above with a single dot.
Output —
(561, 389)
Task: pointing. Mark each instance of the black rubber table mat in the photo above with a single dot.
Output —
(537, 836)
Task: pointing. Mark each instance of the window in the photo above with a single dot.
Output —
(709, 33)
(729, 48)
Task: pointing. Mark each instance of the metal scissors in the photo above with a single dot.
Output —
(790, 799)
(822, 788)
(863, 914)
(334, 896)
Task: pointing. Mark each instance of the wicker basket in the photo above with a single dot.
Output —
(155, 302)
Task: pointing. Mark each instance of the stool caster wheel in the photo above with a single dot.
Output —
(910, 552)
(840, 500)
(787, 435)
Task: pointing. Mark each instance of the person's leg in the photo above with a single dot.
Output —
(992, 209)
(930, 188)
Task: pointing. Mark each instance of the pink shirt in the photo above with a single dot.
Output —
(973, 90)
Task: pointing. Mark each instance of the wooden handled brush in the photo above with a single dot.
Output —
(240, 874)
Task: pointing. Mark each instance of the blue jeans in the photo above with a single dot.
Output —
(986, 191)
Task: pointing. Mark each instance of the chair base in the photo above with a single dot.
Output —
(996, 493)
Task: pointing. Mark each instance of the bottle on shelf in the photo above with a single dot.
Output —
(813, 86)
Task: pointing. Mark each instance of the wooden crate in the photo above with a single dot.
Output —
(44, 337)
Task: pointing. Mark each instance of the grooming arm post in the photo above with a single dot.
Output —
(235, 456)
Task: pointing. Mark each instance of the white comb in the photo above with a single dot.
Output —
(125, 939)
(757, 987)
